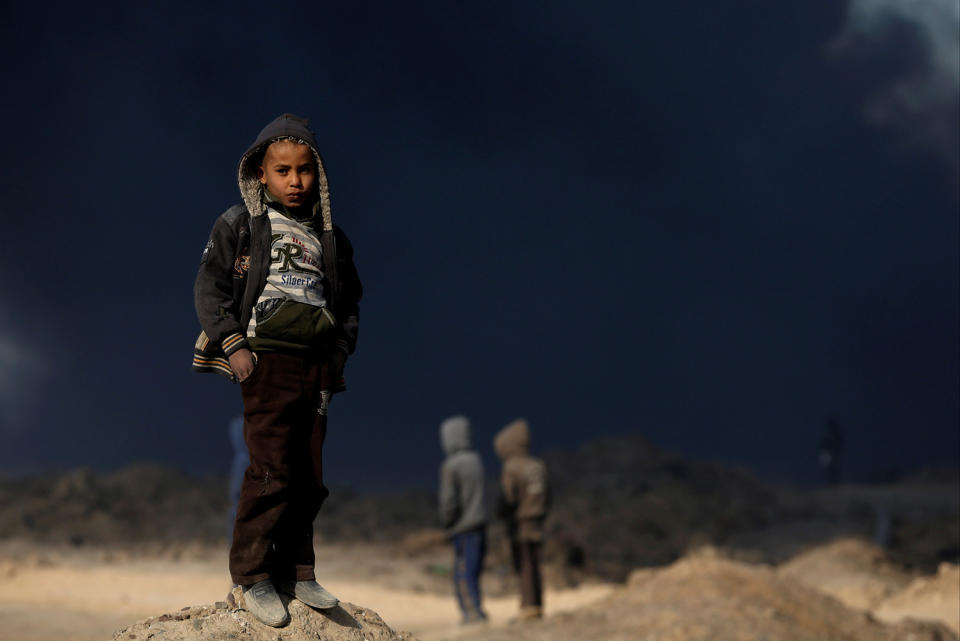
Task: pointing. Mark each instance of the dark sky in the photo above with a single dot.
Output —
(715, 224)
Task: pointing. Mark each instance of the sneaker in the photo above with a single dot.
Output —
(474, 617)
(531, 613)
(311, 593)
(262, 601)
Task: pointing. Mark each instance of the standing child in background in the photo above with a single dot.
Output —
(277, 298)
(463, 511)
(830, 452)
(523, 502)
(238, 468)
(238, 464)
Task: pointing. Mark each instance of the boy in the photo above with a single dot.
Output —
(277, 298)
(523, 503)
(463, 512)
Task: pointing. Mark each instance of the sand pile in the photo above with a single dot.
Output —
(854, 571)
(712, 599)
(936, 597)
(862, 576)
(346, 622)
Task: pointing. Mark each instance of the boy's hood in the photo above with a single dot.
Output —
(455, 434)
(513, 440)
(285, 126)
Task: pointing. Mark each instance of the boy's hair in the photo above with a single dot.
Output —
(258, 159)
(300, 141)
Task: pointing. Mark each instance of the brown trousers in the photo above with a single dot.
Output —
(283, 487)
(527, 556)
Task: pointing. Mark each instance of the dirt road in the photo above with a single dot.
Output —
(83, 600)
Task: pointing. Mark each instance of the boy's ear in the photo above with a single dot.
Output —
(262, 175)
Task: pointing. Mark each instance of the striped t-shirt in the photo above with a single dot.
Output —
(295, 265)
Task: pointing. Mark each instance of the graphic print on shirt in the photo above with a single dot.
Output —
(295, 274)
(288, 253)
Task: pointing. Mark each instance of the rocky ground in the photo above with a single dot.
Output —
(346, 622)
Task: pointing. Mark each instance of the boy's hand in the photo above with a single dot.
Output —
(241, 362)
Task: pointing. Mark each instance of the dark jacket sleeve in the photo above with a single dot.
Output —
(350, 290)
(213, 291)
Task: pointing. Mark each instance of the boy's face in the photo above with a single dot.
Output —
(289, 172)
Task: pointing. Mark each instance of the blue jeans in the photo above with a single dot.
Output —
(469, 548)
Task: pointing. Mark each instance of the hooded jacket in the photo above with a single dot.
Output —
(236, 261)
(524, 488)
(462, 502)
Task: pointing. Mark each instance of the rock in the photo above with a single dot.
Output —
(347, 622)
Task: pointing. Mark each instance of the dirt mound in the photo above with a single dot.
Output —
(347, 622)
(936, 597)
(134, 504)
(852, 570)
(622, 503)
(153, 504)
(863, 576)
(706, 598)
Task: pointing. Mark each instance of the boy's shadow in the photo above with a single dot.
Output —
(336, 614)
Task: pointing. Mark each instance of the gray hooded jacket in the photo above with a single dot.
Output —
(462, 501)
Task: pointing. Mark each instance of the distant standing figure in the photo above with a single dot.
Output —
(830, 451)
(524, 501)
(238, 465)
(463, 512)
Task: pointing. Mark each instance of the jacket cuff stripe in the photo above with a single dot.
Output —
(232, 343)
(216, 364)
